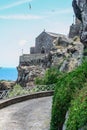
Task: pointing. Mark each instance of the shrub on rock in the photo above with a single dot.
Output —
(77, 119)
(66, 86)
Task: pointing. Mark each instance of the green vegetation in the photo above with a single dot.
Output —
(78, 111)
(51, 77)
(39, 88)
(66, 86)
(17, 91)
(46, 83)
(70, 94)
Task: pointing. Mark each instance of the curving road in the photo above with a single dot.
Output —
(29, 115)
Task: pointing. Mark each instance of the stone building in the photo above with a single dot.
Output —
(44, 42)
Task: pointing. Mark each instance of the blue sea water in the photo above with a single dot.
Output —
(8, 74)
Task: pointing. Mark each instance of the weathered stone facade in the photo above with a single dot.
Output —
(44, 40)
(31, 59)
(32, 50)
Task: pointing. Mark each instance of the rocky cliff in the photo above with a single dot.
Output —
(65, 54)
(80, 26)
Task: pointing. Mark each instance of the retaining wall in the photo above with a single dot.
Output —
(32, 59)
(5, 103)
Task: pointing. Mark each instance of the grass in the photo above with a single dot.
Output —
(17, 91)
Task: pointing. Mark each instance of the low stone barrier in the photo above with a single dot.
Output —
(5, 103)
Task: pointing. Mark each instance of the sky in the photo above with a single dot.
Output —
(21, 21)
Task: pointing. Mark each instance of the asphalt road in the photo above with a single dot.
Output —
(29, 115)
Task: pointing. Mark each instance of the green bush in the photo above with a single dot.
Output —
(65, 88)
(78, 111)
(39, 81)
(17, 91)
(39, 88)
(51, 76)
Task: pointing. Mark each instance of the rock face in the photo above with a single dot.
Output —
(82, 14)
(4, 85)
(75, 30)
(83, 6)
(65, 54)
(27, 74)
(74, 58)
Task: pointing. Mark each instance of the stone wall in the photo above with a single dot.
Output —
(31, 59)
(8, 102)
(32, 50)
(44, 40)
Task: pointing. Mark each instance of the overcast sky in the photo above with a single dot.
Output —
(21, 21)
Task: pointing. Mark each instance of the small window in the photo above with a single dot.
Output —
(42, 50)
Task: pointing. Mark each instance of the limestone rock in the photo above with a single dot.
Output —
(75, 57)
(6, 84)
(62, 41)
(27, 74)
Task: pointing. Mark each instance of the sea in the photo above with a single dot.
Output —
(8, 74)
